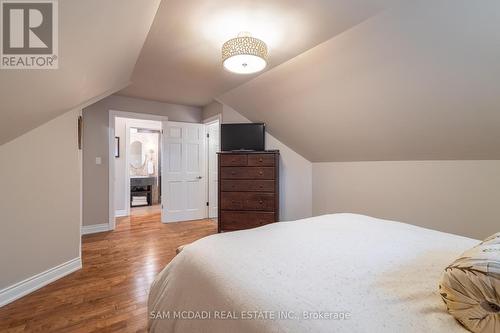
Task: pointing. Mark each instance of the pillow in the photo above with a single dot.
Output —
(470, 287)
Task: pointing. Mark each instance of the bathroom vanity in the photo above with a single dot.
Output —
(141, 188)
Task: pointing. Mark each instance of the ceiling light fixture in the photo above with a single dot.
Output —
(244, 54)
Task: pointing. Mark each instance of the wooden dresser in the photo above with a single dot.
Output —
(248, 189)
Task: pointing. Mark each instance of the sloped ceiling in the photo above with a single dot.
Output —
(181, 59)
(99, 43)
(418, 82)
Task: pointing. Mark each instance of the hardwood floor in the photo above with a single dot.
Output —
(147, 210)
(110, 293)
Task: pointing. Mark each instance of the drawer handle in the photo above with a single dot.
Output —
(260, 202)
(260, 186)
(260, 173)
(233, 172)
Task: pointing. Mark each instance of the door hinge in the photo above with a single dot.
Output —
(207, 203)
(162, 131)
(208, 135)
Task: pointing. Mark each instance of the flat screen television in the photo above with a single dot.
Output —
(246, 136)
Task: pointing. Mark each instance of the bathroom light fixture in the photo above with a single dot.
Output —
(244, 54)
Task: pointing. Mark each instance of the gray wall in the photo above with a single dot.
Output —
(99, 47)
(420, 81)
(460, 197)
(295, 174)
(211, 110)
(96, 129)
(40, 206)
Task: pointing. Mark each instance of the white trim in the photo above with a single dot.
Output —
(127, 168)
(111, 172)
(111, 157)
(135, 123)
(80, 158)
(205, 168)
(217, 119)
(37, 281)
(164, 183)
(121, 212)
(136, 115)
(95, 228)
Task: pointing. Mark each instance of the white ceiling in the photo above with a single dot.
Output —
(181, 60)
(417, 82)
(99, 43)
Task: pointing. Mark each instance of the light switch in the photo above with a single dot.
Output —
(98, 161)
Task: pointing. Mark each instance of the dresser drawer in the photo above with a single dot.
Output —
(243, 220)
(233, 160)
(248, 185)
(247, 201)
(247, 173)
(261, 160)
(248, 189)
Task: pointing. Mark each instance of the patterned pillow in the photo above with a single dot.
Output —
(470, 287)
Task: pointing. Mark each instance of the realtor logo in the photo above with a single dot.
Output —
(29, 34)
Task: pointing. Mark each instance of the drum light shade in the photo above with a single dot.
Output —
(244, 54)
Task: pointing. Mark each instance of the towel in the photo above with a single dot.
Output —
(151, 167)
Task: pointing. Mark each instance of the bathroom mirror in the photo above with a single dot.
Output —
(137, 156)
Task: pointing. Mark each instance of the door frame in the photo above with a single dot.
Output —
(113, 114)
(134, 123)
(206, 122)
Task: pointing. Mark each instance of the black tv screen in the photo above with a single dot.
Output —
(247, 136)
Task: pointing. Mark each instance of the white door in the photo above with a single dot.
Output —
(184, 172)
(213, 131)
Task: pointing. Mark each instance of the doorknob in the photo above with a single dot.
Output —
(199, 177)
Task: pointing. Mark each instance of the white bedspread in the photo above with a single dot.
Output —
(380, 276)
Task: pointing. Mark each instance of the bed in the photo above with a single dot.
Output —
(332, 273)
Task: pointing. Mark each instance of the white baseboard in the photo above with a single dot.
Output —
(120, 213)
(92, 229)
(36, 282)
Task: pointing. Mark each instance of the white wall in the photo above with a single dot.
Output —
(40, 200)
(461, 197)
(295, 174)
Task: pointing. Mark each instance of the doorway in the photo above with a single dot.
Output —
(134, 164)
(190, 170)
(143, 167)
(183, 163)
(184, 172)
